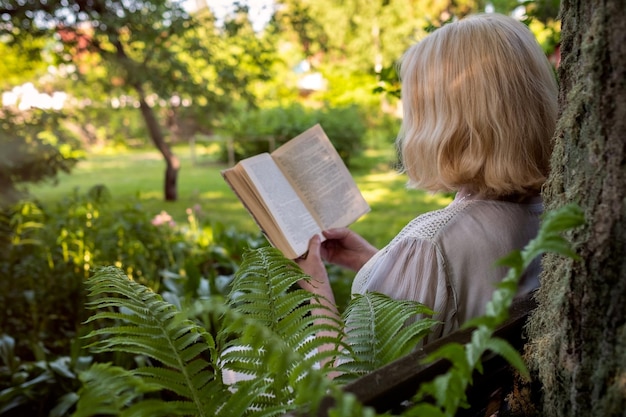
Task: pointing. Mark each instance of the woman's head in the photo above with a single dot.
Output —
(480, 106)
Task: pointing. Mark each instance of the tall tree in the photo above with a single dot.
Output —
(132, 38)
(578, 332)
(153, 50)
(27, 155)
(34, 147)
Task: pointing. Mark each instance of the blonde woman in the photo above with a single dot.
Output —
(480, 106)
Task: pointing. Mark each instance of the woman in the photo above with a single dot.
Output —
(480, 105)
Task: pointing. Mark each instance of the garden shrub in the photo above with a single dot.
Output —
(345, 126)
(270, 338)
(46, 254)
(34, 147)
(51, 250)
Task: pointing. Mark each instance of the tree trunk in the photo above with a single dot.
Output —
(156, 134)
(577, 335)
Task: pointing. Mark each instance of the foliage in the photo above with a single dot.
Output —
(543, 10)
(264, 294)
(22, 61)
(268, 340)
(52, 249)
(49, 250)
(151, 55)
(193, 284)
(448, 390)
(155, 329)
(266, 345)
(251, 129)
(33, 148)
(357, 36)
(53, 382)
(377, 332)
(136, 43)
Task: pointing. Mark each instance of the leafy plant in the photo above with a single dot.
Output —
(155, 329)
(263, 290)
(51, 249)
(33, 148)
(53, 381)
(377, 334)
(266, 347)
(265, 336)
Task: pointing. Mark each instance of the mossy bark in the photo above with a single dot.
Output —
(577, 336)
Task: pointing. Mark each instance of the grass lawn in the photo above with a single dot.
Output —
(136, 177)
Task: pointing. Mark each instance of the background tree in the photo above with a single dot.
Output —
(33, 148)
(132, 38)
(578, 332)
(21, 61)
(150, 50)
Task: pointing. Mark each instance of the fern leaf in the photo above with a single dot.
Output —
(260, 285)
(157, 408)
(155, 329)
(265, 290)
(377, 332)
(549, 238)
(240, 402)
(108, 389)
(286, 376)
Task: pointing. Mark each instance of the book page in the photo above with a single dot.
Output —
(288, 211)
(319, 175)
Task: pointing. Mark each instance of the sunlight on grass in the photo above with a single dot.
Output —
(150, 194)
(135, 177)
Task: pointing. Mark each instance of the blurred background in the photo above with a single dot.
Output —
(117, 117)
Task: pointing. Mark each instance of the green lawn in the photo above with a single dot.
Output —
(136, 177)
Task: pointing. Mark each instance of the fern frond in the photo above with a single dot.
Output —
(108, 390)
(284, 378)
(156, 329)
(377, 332)
(265, 290)
(259, 288)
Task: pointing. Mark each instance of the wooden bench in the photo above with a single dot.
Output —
(391, 387)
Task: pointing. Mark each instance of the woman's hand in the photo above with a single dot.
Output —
(346, 248)
(313, 265)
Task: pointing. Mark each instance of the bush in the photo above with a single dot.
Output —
(50, 251)
(344, 125)
(34, 148)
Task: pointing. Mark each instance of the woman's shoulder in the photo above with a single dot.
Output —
(469, 216)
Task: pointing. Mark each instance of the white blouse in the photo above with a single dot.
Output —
(445, 258)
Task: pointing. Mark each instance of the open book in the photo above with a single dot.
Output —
(300, 189)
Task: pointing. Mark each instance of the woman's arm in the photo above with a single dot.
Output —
(346, 248)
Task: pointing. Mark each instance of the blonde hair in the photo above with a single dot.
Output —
(480, 106)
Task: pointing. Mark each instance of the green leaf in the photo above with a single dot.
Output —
(153, 328)
(109, 389)
(65, 403)
(380, 329)
(504, 349)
